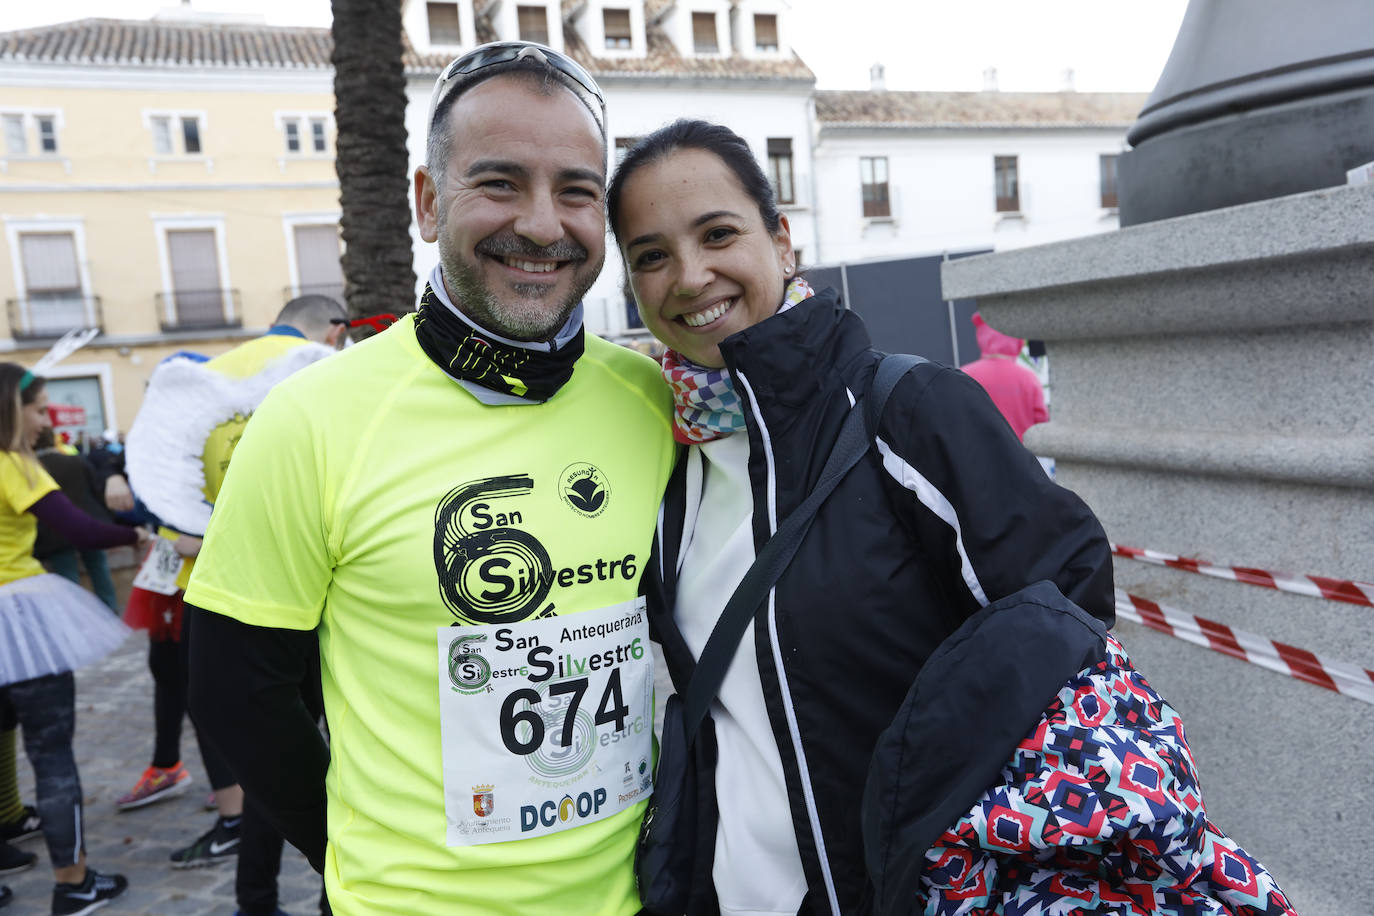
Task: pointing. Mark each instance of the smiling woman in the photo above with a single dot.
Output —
(945, 523)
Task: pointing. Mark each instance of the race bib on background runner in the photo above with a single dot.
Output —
(545, 724)
(160, 568)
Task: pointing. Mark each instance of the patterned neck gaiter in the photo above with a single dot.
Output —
(466, 353)
(705, 405)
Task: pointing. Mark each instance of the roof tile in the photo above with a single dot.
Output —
(977, 109)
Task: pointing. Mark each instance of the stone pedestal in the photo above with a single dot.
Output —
(1213, 397)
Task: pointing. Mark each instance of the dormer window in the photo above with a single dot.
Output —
(443, 24)
(616, 24)
(534, 23)
(704, 33)
(766, 32)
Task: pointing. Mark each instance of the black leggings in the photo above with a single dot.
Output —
(46, 710)
(169, 700)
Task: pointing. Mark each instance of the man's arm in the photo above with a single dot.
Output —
(245, 695)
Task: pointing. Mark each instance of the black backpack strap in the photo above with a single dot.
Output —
(891, 370)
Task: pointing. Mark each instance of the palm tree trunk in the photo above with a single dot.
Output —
(371, 158)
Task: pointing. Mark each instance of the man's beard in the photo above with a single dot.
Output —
(475, 299)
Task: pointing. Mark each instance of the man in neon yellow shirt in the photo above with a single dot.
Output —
(458, 510)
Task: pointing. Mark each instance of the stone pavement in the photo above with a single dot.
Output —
(114, 739)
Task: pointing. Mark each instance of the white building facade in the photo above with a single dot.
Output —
(902, 173)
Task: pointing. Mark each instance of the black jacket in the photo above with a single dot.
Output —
(946, 514)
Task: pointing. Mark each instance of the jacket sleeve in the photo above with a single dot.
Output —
(984, 512)
(248, 688)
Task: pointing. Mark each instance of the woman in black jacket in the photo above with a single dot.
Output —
(945, 516)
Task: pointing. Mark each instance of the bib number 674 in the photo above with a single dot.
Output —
(610, 710)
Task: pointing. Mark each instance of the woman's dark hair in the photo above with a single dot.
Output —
(12, 401)
(683, 134)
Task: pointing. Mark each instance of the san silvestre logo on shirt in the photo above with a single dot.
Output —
(492, 570)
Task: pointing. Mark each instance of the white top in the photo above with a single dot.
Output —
(758, 870)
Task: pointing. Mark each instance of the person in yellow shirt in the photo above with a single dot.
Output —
(48, 628)
(457, 512)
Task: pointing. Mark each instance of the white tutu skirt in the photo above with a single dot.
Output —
(50, 626)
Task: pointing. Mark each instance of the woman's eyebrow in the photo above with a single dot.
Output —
(701, 220)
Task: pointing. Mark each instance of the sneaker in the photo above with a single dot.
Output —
(88, 896)
(15, 860)
(218, 844)
(155, 784)
(26, 825)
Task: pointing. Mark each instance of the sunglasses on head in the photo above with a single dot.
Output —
(504, 52)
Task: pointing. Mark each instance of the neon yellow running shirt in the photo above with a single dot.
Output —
(357, 482)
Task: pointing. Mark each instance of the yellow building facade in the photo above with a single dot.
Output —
(169, 182)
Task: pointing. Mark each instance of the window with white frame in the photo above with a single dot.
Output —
(704, 40)
(780, 169)
(176, 133)
(443, 24)
(876, 196)
(194, 278)
(616, 25)
(53, 296)
(765, 32)
(16, 142)
(304, 133)
(30, 133)
(534, 23)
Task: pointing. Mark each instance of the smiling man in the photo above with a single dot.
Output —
(458, 511)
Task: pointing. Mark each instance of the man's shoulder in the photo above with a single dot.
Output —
(629, 365)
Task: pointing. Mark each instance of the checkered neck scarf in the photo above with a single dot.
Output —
(705, 405)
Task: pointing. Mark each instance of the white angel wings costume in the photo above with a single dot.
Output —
(185, 402)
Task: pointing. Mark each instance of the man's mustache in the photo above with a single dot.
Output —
(514, 246)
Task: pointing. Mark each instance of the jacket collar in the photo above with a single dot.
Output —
(789, 357)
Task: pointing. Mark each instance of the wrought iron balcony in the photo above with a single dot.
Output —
(47, 316)
(199, 309)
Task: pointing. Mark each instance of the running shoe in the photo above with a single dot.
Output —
(218, 844)
(14, 860)
(154, 785)
(88, 896)
(21, 828)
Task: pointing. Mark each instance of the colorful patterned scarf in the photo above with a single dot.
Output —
(705, 404)
(465, 353)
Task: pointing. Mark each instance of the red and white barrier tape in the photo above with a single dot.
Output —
(1361, 593)
(1343, 678)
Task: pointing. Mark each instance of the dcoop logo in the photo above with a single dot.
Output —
(563, 811)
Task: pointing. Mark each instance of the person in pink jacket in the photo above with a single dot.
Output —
(1013, 388)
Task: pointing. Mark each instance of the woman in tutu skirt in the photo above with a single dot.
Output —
(48, 628)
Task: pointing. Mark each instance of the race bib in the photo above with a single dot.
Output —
(160, 568)
(545, 724)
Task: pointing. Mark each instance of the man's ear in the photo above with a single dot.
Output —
(426, 204)
(336, 334)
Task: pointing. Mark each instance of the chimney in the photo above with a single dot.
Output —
(990, 79)
(877, 77)
(1066, 80)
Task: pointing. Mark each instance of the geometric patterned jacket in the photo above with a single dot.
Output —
(1097, 809)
